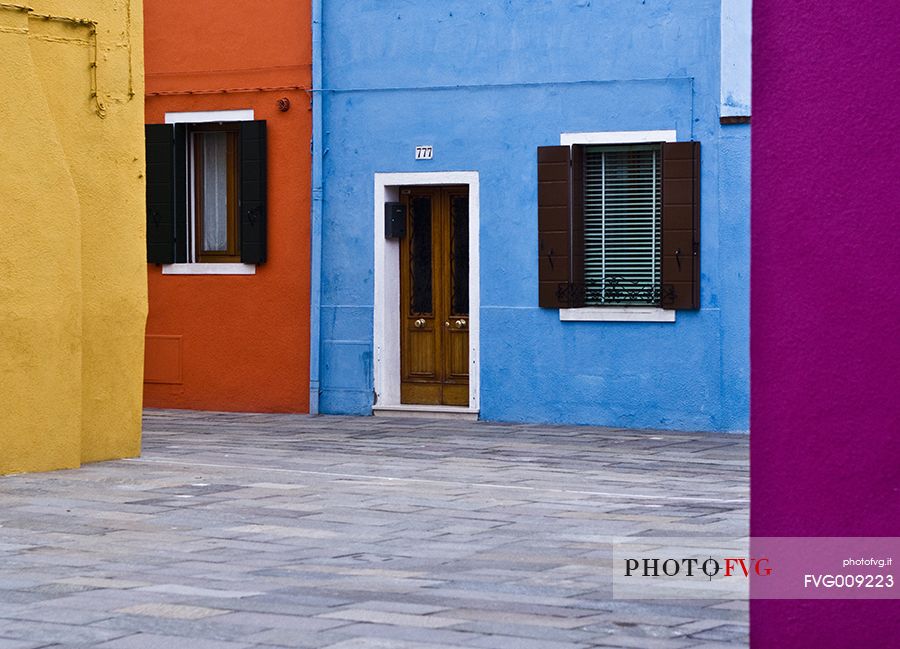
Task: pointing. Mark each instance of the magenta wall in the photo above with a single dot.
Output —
(825, 297)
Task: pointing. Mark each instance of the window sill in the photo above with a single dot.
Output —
(209, 269)
(617, 314)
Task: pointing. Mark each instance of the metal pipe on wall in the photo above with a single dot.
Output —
(315, 275)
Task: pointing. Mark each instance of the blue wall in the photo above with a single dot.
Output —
(486, 84)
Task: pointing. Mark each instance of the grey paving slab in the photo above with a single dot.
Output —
(218, 629)
(52, 633)
(386, 643)
(157, 641)
(20, 644)
(643, 642)
(236, 530)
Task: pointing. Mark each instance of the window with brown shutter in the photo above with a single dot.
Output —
(618, 225)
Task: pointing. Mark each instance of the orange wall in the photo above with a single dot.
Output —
(237, 343)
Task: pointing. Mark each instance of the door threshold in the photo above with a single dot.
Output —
(426, 411)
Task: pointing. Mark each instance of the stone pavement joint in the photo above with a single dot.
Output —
(260, 530)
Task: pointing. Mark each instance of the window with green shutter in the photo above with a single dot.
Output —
(206, 192)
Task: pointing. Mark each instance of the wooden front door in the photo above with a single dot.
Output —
(434, 297)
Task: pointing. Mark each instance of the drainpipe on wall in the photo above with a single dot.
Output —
(315, 251)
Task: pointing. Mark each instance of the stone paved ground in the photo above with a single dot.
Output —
(363, 533)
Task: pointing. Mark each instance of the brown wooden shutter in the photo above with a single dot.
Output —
(560, 227)
(680, 225)
(253, 192)
(576, 218)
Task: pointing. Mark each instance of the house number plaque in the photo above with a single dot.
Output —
(424, 152)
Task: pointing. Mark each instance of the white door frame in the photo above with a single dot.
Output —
(387, 284)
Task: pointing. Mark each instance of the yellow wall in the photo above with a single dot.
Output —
(72, 253)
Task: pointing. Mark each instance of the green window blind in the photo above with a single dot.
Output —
(622, 224)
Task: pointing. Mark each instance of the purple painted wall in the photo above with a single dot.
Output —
(825, 297)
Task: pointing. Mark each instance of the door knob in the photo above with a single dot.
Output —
(419, 323)
(460, 324)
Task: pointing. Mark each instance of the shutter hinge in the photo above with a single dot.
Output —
(374, 397)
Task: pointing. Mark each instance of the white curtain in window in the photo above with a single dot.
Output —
(215, 191)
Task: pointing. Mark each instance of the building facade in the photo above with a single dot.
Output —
(825, 384)
(228, 131)
(533, 211)
(73, 297)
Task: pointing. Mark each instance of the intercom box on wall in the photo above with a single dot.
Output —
(394, 220)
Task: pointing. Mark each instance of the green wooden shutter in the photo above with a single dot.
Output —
(181, 199)
(253, 192)
(680, 267)
(159, 142)
(560, 228)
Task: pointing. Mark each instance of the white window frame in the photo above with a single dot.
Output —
(386, 325)
(193, 267)
(617, 313)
